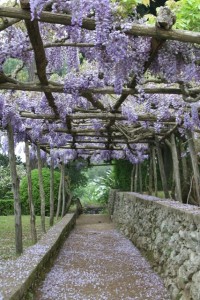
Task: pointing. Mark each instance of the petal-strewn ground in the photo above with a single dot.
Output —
(97, 263)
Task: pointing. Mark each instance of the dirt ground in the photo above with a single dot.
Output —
(97, 263)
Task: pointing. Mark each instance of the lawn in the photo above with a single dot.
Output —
(7, 234)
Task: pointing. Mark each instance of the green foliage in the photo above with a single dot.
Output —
(6, 207)
(5, 180)
(187, 14)
(99, 183)
(122, 174)
(4, 160)
(75, 170)
(36, 192)
(11, 65)
(126, 7)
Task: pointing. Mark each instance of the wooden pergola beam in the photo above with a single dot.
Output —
(59, 88)
(7, 23)
(87, 148)
(102, 116)
(136, 29)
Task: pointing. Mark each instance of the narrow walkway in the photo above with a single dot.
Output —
(98, 263)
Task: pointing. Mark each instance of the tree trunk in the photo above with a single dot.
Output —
(186, 188)
(15, 188)
(69, 195)
(63, 191)
(59, 195)
(136, 178)
(51, 220)
(132, 178)
(30, 195)
(194, 164)
(184, 167)
(162, 171)
(151, 172)
(140, 177)
(155, 171)
(176, 169)
(41, 187)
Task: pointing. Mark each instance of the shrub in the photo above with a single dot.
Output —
(6, 207)
(36, 192)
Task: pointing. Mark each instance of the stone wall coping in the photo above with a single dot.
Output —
(17, 276)
(191, 211)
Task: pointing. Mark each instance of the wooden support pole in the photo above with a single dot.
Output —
(194, 160)
(184, 166)
(132, 178)
(136, 179)
(151, 172)
(63, 191)
(162, 171)
(30, 195)
(51, 219)
(155, 171)
(59, 193)
(41, 187)
(15, 188)
(176, 168)
(140, 177)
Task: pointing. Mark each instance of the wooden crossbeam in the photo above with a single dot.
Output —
(59, 88)
(136, 29)
(7, 23)
(97, 115)
(40, 57)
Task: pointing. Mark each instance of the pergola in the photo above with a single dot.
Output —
(101, 126)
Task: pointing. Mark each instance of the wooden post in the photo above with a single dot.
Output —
(59, 194)
(162, 171)
(184, 166)
(69, 196)
(51, 219)
(136, 178)
(151, 172)
(132, 178)
(194, 164)
(176, 171)
(41, 187)
(30, 195)
(140, 177)
(63, 191)
(15, 188)
(155, 171)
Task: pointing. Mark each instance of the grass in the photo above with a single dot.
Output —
(7, 234)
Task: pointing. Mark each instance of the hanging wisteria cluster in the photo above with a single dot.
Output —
(107, 58)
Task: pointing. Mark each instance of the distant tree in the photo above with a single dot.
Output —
(5, 180)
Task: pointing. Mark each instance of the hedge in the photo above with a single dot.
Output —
(36, 192)
(6, 207)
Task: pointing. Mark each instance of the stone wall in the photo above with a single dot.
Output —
(167, 233)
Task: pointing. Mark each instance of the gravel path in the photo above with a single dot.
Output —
(97, 263)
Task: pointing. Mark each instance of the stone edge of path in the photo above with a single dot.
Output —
(51, 242)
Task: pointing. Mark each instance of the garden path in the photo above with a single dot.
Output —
(97, 263)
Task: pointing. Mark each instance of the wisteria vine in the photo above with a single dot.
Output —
(113, 59)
